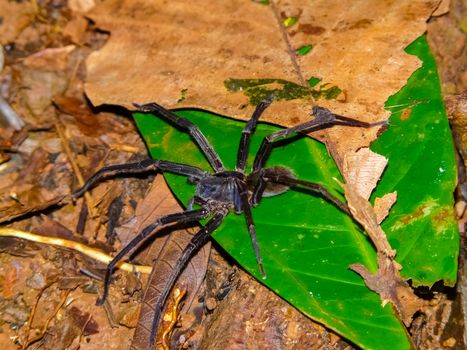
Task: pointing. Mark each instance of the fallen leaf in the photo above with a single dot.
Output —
(20, 14)
(162, 254)
(8, 281)
(387, 282)
(160, 56)
(84, 321)
(39, 185)
(42, 85)
(363, 170)
(383, 205)
(442, 8)
(54, 59)
(76, 29)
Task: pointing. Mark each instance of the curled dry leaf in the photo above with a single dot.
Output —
(364, 213)
(184, 54)
(363, 169)
(387, 282)
(383, 205)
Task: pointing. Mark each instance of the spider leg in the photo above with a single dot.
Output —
(159, 295)
(186, 216)
(259, 189)
(188, 126)
(140, 167)
(250, 127)
(289, 181)
(243, 191)
(323, 119)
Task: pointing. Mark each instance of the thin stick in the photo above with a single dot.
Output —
(88, 251)
(75, 167)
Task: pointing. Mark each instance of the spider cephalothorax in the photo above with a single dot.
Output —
(221, 191)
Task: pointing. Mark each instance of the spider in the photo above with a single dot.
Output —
(222, 191)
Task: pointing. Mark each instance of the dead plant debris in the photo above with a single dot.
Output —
(184, 54)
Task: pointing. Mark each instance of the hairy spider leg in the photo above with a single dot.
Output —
(243, 190)
(324, 118)
(161, 294)
(141, 167)
(182, 217)
(244, 145)
(315, 187)
(188, 126)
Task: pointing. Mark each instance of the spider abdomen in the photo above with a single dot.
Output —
(275, 187)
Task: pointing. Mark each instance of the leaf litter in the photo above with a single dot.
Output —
(40, 56)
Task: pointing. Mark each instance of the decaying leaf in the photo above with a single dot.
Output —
(54, 59)
(162, 254)
(19, 16)
(383, 205)
(363, 169)
(39, 185)
(181, 55)
(387, 282)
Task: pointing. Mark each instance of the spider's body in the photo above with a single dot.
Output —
(221, 191)
(222, 188)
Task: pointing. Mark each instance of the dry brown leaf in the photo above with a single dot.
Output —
(442, 8)
(387, 282)
(54, 59)
(363, 170)
(383, 205)
(158, 49)
(19, 16)
(39, 184)
(163, 253)
(76, 29)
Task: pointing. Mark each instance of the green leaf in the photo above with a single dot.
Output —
(304, 50)
(422, 169)
(306, 243)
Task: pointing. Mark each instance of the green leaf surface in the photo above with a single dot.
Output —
(306, 243)
(422, 169)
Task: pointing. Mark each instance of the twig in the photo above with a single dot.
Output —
(88, 251)
(74, 165)
(31, 315)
